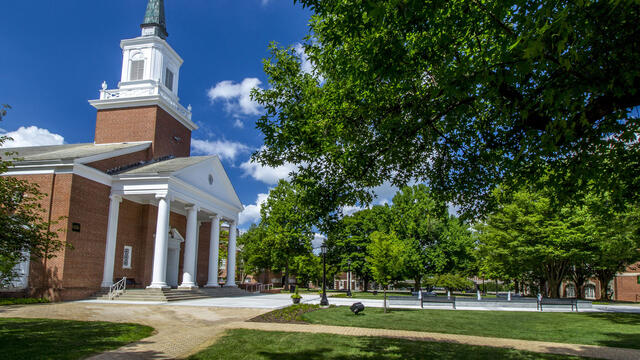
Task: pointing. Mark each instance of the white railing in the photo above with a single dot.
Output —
(154, 90)
(118, 288)
(256, 287)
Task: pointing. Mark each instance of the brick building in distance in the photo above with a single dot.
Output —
(133, 203)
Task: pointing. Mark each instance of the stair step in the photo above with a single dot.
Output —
(163, 295)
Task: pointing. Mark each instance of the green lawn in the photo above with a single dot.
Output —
(260, 345)
(369, 295)
(22, 301)
(63, 339)
(606, 329)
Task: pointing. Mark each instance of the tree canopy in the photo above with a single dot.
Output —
(24, 231)
(528, 240)
(461, 94)
(386, 260)
(282, 240)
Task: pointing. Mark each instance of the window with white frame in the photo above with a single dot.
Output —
(168, 79)
(136, 71)
(590, 291)
(126, 257)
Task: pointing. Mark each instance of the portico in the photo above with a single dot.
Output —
(176, 188)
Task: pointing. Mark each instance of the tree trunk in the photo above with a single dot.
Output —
(541, 287)
(286, 278)
(384, 289)
(604, 277)
(554, 288)
(366, 284)
(417, 285)
(516, 286)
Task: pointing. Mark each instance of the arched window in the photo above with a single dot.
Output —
(590, 291)
(570, 291)
(136, 67)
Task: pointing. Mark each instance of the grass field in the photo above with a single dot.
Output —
(261, 345)
(22, 301)
(605, 329)
(63, 339)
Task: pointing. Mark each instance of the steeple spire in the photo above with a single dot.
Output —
(154, 20)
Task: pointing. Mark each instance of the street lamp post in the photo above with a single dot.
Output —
(324, 301)
(349, 278)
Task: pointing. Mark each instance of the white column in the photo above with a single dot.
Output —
(188, 271)
(112, 233)
(195, 266)
(231, 256)
(159, 279)
(214, 248)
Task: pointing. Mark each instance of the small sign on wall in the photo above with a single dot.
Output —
(75, 227)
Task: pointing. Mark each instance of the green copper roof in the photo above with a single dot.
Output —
(155, 17)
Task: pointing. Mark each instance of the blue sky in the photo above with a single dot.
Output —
(57, 53)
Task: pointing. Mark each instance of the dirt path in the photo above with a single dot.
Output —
(180, 330)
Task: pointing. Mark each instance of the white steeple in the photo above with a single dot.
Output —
(150, 71)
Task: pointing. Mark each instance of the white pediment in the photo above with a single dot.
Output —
(210, 177)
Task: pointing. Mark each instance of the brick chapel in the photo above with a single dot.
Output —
(133, 203)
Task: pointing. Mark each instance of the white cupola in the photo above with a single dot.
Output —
(150, 70)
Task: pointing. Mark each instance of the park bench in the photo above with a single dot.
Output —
(438, 299)
(403, 300)
(569, 302)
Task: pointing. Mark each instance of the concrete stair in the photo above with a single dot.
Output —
(165, 295)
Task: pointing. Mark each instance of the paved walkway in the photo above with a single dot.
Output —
(183, 329)
(180, 330)
(591, 351)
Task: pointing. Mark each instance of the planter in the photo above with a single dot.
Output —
(296, 300)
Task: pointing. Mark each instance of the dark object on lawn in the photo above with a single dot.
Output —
(375, 292)
(357, 308)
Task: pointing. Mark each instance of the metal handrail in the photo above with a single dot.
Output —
(118, 288)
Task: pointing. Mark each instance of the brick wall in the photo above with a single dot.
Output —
(46, 277)
(84, 263)
(148, 123)
(627, 288)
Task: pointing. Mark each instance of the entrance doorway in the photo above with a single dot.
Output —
(173, 257)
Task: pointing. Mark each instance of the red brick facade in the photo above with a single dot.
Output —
(148, 123)
(76, 272)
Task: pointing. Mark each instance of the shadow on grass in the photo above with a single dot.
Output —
(616, 318)
(62, 339)
(369, 348)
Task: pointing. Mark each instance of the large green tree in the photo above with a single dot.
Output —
(254, 253)
(616, 237)
(288, 227)
(386, 260)
(526, 235)
(348, 240)
(462, 94)
(24, 229)
(434, 242)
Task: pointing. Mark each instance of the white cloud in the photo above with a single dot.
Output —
(306, 65)
(317, 241)
(251, 213)
(384, 193)
(32, 136)
(238, 123)
(226, 150)
(267, 174)
(237, 96)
